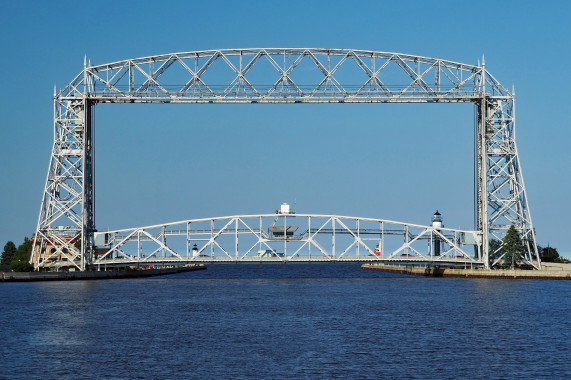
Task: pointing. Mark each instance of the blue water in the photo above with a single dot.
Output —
(285, 321)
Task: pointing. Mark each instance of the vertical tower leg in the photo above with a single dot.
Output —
(87, 210)
(481, 182)
(64, 234)
(502, 199)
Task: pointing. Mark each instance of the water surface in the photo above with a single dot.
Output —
(286, 321)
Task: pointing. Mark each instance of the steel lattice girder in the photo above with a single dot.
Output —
(276, 75)
(319, 238)
(184, 78)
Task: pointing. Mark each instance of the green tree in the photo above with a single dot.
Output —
(548, 254)
(8, 253)
(495, 250)
(20, 261)
(513, 248)
(21, 266)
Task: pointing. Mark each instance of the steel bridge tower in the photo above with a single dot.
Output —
(65, 229)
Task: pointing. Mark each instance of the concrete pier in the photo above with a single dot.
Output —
(550, 271)
(93, 275)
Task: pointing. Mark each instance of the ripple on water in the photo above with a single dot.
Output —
(284, 321)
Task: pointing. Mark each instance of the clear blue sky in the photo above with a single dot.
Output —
(164, 163)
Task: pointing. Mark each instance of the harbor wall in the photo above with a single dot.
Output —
(93, 275)
(547, 273)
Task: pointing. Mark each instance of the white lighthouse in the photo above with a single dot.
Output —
(437, 225)
(437, 220)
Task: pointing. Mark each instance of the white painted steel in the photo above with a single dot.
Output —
(241, 238)
(276, 75)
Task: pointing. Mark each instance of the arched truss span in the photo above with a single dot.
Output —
(287, 238)
(276, 75)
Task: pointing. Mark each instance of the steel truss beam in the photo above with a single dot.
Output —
(248, 238)
(275, 75)
(289, 76)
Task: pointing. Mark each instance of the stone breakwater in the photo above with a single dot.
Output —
(548, 272)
